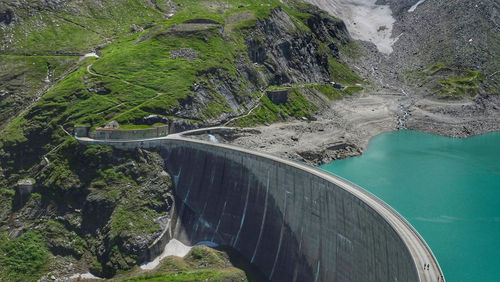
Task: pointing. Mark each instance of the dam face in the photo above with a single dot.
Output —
(292, 224)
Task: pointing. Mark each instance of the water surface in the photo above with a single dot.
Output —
(449, 189)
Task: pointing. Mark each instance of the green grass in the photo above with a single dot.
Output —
(148, 65)
(133, 220)
(21, 77)
(448, 82)
(134, 126)
(351, 90)
(341, 73)
(328, 90)
(200, 264)
(297, 106)
(78, 26)
(467, 85)
(23, 259)
(196, 275)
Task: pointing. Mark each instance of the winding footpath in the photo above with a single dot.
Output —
(418, 248)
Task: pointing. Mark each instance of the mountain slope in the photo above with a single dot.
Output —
(204, 65)
(459, 35)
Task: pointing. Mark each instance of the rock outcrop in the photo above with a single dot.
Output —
(103, 208)
(289, 52)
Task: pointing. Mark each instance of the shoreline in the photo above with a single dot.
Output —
(345, 128)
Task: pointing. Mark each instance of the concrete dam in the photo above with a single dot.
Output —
(292, 221)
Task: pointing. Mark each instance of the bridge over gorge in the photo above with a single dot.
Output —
(293, 221)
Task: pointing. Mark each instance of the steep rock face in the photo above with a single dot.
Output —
(104, 208)
(289, 53)
(328, 29)
(6, 17)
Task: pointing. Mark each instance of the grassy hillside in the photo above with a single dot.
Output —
(201, 263)
(23, 79)
(448, 82)
(74, 26)
(180, 68)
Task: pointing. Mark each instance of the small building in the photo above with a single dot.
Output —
(278, 96)
(336, 85)
(25, 186)
(102, 133)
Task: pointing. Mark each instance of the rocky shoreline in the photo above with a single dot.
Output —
(346, 127)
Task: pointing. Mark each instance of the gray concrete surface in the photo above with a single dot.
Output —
(294, 222)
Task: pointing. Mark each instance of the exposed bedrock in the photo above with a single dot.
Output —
(293, 225)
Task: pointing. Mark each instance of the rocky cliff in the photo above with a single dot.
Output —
(94, 208)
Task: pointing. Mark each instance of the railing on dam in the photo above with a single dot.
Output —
(294, 222)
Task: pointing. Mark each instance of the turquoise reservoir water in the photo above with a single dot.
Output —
(449, 189)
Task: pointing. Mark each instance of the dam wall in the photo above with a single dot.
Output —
(293, 225)
(294, 222)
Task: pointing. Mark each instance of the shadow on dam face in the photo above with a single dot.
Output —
(291, 224)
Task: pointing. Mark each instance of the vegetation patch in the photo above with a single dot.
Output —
(25, 258)
(297, 106)
(341, 73)
(200, 264)
(467, 85)
(332, 93)
(61, 241)
(448, 82)
(133, 220)
(76, 26)
(22, 77)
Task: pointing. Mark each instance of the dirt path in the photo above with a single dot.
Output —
(158, 94)
(255, 106)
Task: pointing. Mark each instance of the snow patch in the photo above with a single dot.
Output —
(92, 54)
(412, 8)
(173, 248)
(364, 20)
(87, 275)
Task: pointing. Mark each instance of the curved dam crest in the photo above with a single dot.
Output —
(294, 222)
